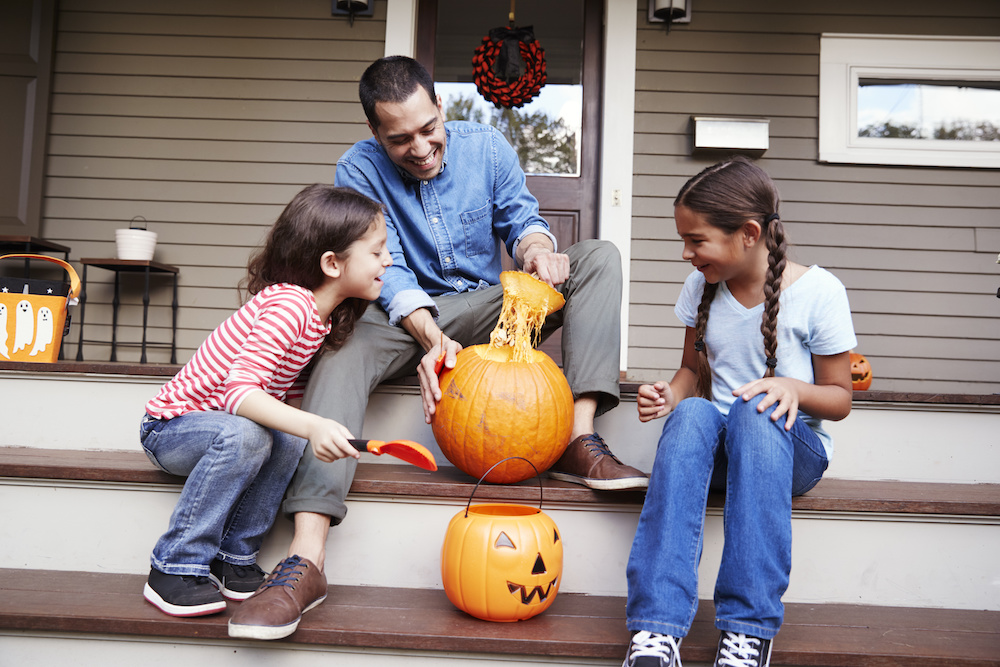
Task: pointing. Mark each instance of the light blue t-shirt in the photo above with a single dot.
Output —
(814, 317)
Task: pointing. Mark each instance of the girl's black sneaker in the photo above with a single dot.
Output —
(236, 582)
(738, 650)
(182, 595)
(651, 649)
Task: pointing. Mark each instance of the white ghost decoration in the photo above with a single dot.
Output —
(3, 331)
(24, 325)
(43, 332)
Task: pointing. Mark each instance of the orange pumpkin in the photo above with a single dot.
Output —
(502, 562)
(861, 372)
(506, 399)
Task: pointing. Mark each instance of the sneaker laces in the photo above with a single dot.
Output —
(243, 571)
(596, 445)
(655, 645)
(286, 573)
(739, 650)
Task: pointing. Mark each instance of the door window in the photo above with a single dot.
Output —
(547, 131)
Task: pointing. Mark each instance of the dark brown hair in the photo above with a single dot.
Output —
(392, 79)
(728, 194)
(319, 219)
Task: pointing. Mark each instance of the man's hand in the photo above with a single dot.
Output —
(421, 325)
(430, 388)
(538, 257)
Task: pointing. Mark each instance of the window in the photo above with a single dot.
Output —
(932, 101)
(546, 132)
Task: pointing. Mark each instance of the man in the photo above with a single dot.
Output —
(452, 194)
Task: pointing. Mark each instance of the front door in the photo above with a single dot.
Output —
(557, 133)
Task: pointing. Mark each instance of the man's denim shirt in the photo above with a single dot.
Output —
(445, 233)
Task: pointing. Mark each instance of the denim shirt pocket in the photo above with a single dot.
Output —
(478, 228)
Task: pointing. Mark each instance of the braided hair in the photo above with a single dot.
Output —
(728, 194)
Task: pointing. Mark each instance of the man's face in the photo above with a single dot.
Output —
(412, 133)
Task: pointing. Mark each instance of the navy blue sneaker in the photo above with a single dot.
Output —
(182, 595)
(236, 582)
(738, 650)
(651, 649)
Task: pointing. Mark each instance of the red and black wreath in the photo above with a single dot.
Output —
(509, 66)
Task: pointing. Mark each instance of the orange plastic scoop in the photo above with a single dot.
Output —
(405, 450)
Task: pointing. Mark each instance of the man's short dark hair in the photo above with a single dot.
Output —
(392, 79)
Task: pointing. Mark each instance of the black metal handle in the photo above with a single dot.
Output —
(541, 490)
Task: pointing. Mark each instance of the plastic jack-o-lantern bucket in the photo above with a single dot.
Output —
(502, 562)
(861, 372)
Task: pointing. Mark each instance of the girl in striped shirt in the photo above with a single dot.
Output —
(229, 421)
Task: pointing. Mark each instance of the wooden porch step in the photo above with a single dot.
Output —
(575, 626)
(830, 495)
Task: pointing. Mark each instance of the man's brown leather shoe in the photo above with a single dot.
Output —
(588, 461)
(294, 587)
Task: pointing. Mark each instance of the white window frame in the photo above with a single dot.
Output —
(847, 58)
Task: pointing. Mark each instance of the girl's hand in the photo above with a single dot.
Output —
(654, 401)
(780, 390)
(328, 440)
(444, 353)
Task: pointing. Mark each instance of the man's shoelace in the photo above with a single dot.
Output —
(287, 572)
(740, 651)
(653, 645)
(598, 447)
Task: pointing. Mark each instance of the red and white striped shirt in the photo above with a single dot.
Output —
(262, 347)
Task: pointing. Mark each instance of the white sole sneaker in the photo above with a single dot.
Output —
(181, 610)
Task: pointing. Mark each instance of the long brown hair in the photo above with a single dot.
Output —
(728, 194)
(319, 219)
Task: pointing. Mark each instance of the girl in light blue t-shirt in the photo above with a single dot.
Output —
(765, 361)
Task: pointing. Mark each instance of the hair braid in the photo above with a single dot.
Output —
(774, 236)
(701, 323)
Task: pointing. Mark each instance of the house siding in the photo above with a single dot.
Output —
(205, 118)
(916, 247)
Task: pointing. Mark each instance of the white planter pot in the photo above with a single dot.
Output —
(135, 244)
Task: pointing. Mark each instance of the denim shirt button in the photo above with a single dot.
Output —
(447, 260)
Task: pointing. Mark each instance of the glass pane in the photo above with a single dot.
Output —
(952, 111)
(546, 132)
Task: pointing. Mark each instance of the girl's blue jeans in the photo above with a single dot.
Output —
(237, 472)
(760, 466)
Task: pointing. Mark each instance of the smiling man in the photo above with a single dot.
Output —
(454, 197)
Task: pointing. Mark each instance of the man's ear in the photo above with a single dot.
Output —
(374, 133)
(330, 264)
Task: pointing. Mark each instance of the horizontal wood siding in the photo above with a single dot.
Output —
(205, 117)
(916, 247)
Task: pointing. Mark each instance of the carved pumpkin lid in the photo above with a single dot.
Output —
(526, 287)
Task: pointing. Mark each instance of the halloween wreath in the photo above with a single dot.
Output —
(509, 66)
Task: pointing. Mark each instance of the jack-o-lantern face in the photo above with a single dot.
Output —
(861, 372)
(502, 562)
